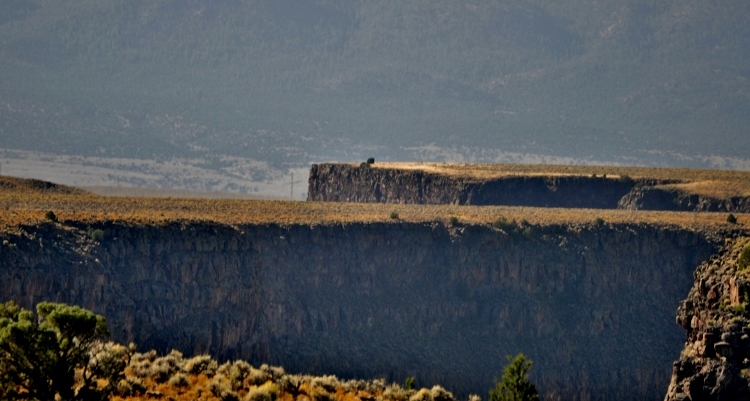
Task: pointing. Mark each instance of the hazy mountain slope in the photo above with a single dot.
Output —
(293, 82)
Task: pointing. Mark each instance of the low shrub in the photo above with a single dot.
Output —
(409, 383)
(394, 215)
(274, 371)
(141, 367)
(50, 215)
(320, 394)
(266, 392)
(163, 368)
(395, 392)
(328, 383)
(237, 372)
(731, 219)
(744, 260)
(96, 234)
(219, 386)
(179, 380)
(422, 395)
(440, 394)
(503, 224)
(130, 387)
(257, 377)
(201, 364)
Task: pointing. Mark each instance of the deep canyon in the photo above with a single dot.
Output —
(592, 305)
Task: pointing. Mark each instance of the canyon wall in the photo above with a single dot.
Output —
(714, 365)
(592, 306)
(350, 183)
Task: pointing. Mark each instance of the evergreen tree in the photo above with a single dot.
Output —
(39, 355)
(515, 384)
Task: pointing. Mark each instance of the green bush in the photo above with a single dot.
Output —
(96, 234)
(409, 383)
(394, 215)
(454, 220)
(744, 260)
(731, 219)
(40, 354)
(50, 215)
(509, 227)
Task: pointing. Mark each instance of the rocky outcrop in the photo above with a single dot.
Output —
(660, 198)
(715, 362)
(591, 305)
(349, 183)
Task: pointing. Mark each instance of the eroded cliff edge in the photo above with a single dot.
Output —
(339, 182)
(715, 364)
(592, 305)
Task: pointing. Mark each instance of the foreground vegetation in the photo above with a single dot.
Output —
(62, 353)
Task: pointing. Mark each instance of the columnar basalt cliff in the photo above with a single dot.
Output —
(715, 364)
(592, 305)
(351, 183)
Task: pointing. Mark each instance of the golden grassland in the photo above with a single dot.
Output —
(715, 183)
(25, 202)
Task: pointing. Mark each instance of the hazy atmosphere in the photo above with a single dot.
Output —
(238, 96)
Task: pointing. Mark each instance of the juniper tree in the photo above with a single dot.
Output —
(39, 355)
(515, 384)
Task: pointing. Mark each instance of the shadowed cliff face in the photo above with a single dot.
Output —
(348, 183)
(714, 363)
(592, 306)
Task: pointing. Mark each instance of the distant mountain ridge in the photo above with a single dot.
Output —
(290, 82)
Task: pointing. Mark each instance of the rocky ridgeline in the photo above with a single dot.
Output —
(351, 183)
(715, 363)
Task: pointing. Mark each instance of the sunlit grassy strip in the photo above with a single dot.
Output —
(30, 208)
(714, 183)
(500, 170)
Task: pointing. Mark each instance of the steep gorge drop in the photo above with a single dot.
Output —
(592, 305)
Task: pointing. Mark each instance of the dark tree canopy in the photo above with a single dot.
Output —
(39, 355)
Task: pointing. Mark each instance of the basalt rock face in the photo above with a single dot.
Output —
(651, 198)
(348, 183)
(593, 306)
(715, 364)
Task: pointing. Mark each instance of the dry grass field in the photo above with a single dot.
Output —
(714, 183)
(24, 201)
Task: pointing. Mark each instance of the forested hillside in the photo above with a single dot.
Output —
(290, 82)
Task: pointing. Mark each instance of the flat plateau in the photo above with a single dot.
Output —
(25, 201)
